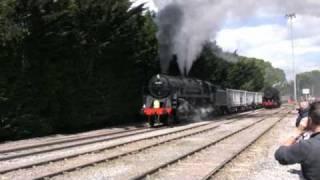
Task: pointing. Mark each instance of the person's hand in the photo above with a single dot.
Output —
(303, 124)
(294, 138)
(296, 135)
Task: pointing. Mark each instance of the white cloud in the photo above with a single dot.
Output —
(306, 26)
(148, 4)
(272, 42)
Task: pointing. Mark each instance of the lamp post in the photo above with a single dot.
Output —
(290, 17)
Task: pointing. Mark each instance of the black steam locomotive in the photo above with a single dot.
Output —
(271, 98)
(168, 99)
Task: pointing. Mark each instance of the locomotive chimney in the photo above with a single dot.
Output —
(174, 67)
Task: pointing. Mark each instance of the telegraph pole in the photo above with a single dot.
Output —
(291, 17)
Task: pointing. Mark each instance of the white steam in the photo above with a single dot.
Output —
(185, 25)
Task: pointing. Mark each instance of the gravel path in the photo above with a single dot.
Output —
(258, 163)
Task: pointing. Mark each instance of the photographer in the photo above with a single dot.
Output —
(302, 112)
(304, 152)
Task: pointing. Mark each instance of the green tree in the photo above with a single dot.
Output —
(73, 64)
(210, 67)
(309, 80)
(246, 75)
(273, 76)
(232, 71)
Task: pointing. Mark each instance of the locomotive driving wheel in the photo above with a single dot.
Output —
(168, 120)
(152, 120)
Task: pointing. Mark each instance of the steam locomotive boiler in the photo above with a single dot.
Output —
(168, 99)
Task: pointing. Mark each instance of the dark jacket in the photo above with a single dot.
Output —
(306, 153)
(302, 113)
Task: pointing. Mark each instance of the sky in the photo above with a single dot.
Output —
(267, 36)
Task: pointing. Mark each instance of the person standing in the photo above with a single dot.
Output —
(302, 112)
(304, 152)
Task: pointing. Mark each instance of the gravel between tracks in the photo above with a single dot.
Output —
(86, 148)
(49, 168)
(58, 137)
(258, 163)
(13, 144)
(64, 145)
(28, 173)
(130, 166)
(202, 163)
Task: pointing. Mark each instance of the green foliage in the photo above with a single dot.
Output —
(211, 67)
(246, 75)
(233, 71)
(72, 65)
(273, 76)
(309, 80)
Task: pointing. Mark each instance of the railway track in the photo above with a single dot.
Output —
(9, 153)
(61, 140)
(6, 150)
(146, 162)
(239, 151)
(22, 155)
(205, 157)
(203, 163)
(35, 149)
(185, 133)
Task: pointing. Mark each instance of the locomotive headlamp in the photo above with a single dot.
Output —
(156, 104)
